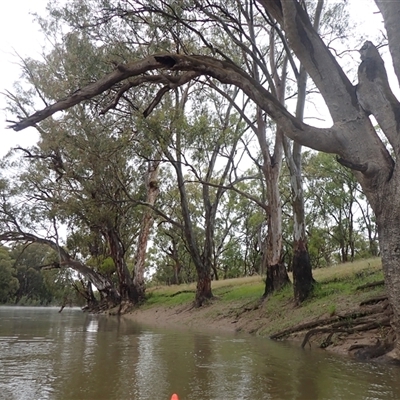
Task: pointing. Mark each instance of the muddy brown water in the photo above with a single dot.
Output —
(47, 355)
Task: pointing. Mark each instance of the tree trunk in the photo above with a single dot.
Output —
(102, 283)
(389, 239)
(277, 276)
(203, 269)
(301, 264)
(177, 270)
(203, 289)
(147, 223)
(173, 253)
(127, 290)
(302, 273)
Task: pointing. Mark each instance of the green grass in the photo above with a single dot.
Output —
(249, 291)
(168, 299)
(333, 284)
(347, 269)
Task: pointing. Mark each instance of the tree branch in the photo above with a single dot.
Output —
(317, 138)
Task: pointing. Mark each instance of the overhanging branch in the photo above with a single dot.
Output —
(193, 66)
(352, 165)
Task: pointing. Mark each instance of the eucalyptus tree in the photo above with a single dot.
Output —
(168, 258)
(334, 192)
(90, 190)
(236, 239)
(201, 149)
(32, 211)
(152, 191)
(97, 178)
(337, 205)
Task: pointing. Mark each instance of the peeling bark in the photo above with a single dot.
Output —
(203, 288)
(147, 223)
(277, 278)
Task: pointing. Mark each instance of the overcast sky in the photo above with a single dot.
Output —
(18, 33)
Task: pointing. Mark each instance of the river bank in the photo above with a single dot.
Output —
(347, 314)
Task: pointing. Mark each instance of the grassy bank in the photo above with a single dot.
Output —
(238, 300)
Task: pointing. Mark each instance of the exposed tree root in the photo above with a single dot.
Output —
(373, 300)
(374, 314)
(325, 321)
(370, 285)
(370, 324)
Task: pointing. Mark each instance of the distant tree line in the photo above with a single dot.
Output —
(26, 280)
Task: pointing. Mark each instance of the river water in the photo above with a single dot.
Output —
(72, 355)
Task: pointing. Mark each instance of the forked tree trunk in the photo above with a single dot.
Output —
(147, 223)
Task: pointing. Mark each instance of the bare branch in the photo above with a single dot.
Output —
(225, 72)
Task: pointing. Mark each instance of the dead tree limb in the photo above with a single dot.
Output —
(370, 285)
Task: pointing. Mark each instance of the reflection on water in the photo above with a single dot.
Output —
(47, 355)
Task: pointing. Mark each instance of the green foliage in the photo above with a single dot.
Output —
(28, 262)
(337, 213)
(59, 284)
(8, 282)
(107, 266)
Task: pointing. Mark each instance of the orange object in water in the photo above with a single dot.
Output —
(174, 397)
